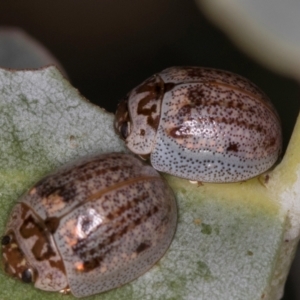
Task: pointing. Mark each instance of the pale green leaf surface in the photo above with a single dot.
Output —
(230, 240)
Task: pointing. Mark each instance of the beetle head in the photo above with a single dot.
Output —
(14, 260)
(138, 115)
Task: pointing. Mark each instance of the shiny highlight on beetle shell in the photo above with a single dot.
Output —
(92, 226)
(210, 125)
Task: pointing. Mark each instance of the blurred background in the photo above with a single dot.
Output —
(108, 47)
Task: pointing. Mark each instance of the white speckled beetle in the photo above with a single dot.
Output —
(201, 124)
(92, 226)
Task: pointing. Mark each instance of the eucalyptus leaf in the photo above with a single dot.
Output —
(233, 241)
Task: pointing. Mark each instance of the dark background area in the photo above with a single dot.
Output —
(108, 47)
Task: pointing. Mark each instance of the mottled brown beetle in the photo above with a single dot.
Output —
(201, 124)
(91, 226)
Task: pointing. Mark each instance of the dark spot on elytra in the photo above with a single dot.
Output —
(110, 216)
(233, 147)
(185, 111)
(142, 247)
(251, 110)
(239, 105)
(67, 193)
(180, 132)
(271, 142)
(137, 222)
(51, 188)
(259, 128)
(196, 96)
(168, 86)
(92, 252)
(224, 120)
(142, 132)
(52, 224)
(153, 211)
(92, 264)
(91, 258)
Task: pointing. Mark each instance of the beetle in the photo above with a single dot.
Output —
(201, 124)
(91, 226)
